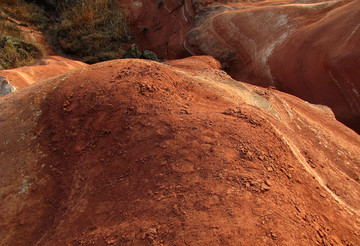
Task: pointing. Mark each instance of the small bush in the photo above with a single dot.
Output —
(132, 52)
(14, 52)
(92, 28)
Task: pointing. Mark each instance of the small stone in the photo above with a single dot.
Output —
(111, 241)
(5, 87)
(184, 111)
(268, 182)
(253, 183)
(265, 187)
(270, 169)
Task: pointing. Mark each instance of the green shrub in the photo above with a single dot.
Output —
(93, 29)
(16, 53)
(132, 52)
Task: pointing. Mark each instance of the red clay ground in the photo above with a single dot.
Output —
(308, 48)
(135, 152)
(43, 69)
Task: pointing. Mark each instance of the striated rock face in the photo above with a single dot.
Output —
(42, 69)
(135, 152)
(161, 25)
(306, 48)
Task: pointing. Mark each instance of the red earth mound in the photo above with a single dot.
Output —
(135, 152)
(42, 69)
(306, 48)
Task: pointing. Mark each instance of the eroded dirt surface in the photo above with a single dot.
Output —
(306, 48)
(162, 25)
(43, 69)
(135, 152)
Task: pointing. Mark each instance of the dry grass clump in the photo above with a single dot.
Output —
(93, 29)
(25, 12)
(16, 53)
(10, 2)
(14, 14)
(8, 28)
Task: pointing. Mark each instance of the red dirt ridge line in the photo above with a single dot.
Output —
(136, 152)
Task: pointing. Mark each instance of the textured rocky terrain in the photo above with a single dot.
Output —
(135, 152)
(306, 48)
(162, 25)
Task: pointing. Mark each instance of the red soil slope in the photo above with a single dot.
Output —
(135, 152)
(310, 49)
(42, 69)
(161, 25)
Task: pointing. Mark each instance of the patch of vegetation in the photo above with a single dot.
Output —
(8, 28)
(134, 52)
(25, 13)
(14, 15)
(149, 55)
(16, 53)
(91, 30)
(95, 30)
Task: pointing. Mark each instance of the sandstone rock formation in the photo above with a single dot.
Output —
(42, 69)
(306, 48)
(135, 152)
